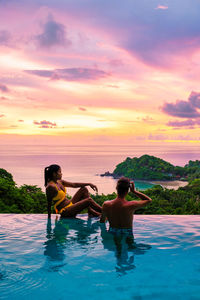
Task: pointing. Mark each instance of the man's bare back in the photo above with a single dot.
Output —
(119, 211)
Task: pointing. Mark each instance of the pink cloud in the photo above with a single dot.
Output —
(113, 86)
(162, 7)
(147, 119)
(2, 115)
(82, 109)
(116, 63)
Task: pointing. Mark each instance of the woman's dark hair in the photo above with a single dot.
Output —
(48, 173)
(123, 185)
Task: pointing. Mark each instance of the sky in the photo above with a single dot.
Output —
(99, 72)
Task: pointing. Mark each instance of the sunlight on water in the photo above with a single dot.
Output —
(77, 259)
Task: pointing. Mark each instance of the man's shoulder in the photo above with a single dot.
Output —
(107, 203)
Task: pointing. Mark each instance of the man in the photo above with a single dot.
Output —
(119, 211)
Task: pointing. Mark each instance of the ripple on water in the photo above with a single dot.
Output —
(73, 255)
(21, 281)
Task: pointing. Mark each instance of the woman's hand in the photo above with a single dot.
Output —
(132, 186)
(94, 187)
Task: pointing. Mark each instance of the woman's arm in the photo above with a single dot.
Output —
(51, 192)
(78, 184)
(49, 202)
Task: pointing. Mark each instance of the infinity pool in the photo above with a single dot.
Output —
(78, 259)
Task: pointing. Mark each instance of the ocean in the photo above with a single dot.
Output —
(84, 163)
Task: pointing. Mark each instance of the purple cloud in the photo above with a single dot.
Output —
(45, 124)
(185, 123)
(184, 109)
(194, 99)
(157, 137)
(181, 109)
(53, 34)
(70, 74)
(4, 88)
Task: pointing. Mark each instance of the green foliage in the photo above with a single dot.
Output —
(31, 199)
(5, 175)
(149, 167)
(25, 199)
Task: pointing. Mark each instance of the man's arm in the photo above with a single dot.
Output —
(145, 199)
(103, 214)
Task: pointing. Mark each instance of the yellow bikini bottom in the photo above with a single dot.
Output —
(64, 208)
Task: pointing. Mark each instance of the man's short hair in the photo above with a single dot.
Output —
(123, 185)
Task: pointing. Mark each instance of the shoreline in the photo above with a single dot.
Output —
(174, 184)
(169, 184)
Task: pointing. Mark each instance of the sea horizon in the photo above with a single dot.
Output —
(83, 163)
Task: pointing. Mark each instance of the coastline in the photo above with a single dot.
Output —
(175, 184)
(169, 184)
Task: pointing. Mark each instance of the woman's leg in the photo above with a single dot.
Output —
(77, 207)
(81, 194)
(93, 213)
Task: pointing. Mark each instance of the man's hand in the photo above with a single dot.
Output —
(132, 186)
(94, 187)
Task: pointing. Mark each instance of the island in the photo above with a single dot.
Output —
(151, 168)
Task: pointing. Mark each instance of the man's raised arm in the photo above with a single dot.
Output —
(144, 198)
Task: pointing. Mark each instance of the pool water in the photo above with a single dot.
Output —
(78, 259)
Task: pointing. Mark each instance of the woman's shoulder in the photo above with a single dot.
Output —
(50, 186)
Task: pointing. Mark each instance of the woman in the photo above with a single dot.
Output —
(56, 191)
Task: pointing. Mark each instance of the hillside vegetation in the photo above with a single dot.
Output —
(149, 167)
(31, 199)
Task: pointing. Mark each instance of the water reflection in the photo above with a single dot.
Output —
(65, 235)
(72, 238)
(124, 248)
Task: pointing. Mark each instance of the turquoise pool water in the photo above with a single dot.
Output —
(78, 259)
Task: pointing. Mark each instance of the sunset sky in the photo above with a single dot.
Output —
(90, 71)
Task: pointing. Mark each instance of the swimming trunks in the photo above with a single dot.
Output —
(121, 231)
(61, 195)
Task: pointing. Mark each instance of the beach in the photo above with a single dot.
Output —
(171, 184)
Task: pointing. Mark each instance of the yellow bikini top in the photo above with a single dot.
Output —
(59, 197)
